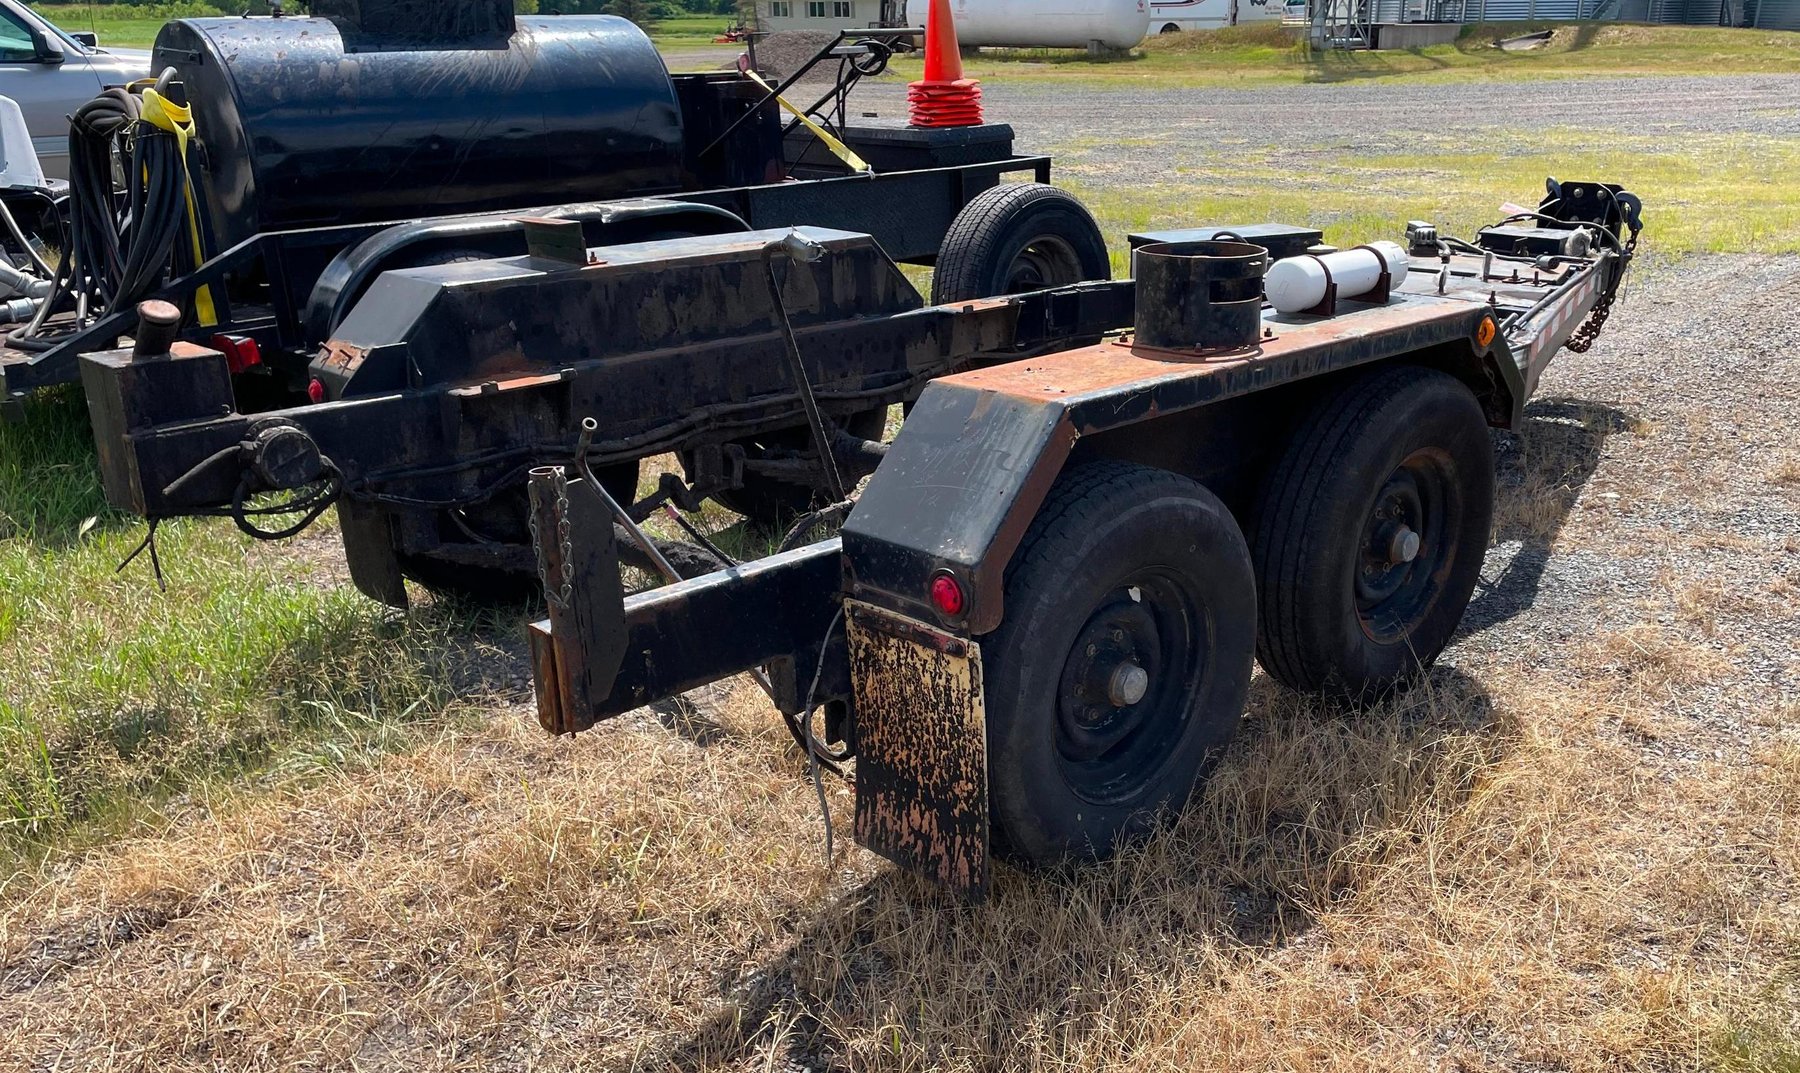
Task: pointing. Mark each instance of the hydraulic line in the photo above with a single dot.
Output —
(122, 245)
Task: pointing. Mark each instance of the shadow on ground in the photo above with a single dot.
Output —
(1540, 472)
(1296, 816)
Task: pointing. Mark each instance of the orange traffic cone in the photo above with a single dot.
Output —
(943, 98)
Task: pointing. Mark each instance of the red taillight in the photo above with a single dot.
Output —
(241, 351)
(316, 390)
(947, 595)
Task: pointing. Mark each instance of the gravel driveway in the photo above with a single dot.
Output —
(1188, 125)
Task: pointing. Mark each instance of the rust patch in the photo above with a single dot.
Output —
(546, 682)
(921, 735)
(343, 358)
(1109, 367)
(516, 383)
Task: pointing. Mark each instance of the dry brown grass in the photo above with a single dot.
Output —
(1786, 468)
(1541, 859)
(1480, 874)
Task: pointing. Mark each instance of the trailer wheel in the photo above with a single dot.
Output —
(1371, 531)
(767, 501)
(1120, 671)
(1016, 238)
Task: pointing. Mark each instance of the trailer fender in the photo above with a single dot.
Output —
(425, 242)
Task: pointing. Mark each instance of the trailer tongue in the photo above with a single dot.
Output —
(1036, 628)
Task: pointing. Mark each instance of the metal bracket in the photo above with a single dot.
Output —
(1376, 295)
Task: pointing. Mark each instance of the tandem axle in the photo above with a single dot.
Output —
(1036, 628)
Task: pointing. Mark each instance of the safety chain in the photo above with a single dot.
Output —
(1584, 337)
(558, 596)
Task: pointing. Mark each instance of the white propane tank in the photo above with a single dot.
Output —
(1050, 23)
(1297, 283)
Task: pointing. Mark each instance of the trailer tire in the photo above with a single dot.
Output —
(768, 502)
(1016, 238)
(1124, 566)
(1370, 533)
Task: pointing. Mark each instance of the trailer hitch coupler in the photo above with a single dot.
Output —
(158, 324)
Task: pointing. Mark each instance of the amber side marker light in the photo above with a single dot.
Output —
(1485, 334)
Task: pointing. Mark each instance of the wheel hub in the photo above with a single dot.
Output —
(1123, 687)
(1129, 684)
(1402, 544)
(1047, 262)
(1403, 547)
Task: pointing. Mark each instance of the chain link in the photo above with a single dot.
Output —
(559, 596)
(563, 542)
(1583, 338)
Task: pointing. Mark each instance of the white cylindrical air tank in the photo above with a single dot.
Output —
(1050, 23)
(1297, 283)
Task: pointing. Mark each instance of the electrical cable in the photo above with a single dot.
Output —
(315, 503)
(18, 235)
(1608, 235)
(813, 751)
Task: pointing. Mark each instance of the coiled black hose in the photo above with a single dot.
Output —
(121, 243)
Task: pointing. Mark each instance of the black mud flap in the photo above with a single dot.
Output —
(368, 535)
(921, 747)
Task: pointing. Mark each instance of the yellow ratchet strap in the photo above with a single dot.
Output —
(160, 112)
(842, 151)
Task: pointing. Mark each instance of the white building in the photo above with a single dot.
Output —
(776, 16)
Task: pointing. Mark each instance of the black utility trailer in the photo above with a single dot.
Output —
(1036, 628)
(448, 383)
(382, 135)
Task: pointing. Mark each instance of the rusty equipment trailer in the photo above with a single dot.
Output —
(1036, 628)
(317, 144)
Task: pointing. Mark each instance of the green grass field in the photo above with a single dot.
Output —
(1249, 55)
(119, 700)
(115, 27)
(1711, 193)
(121, 26)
